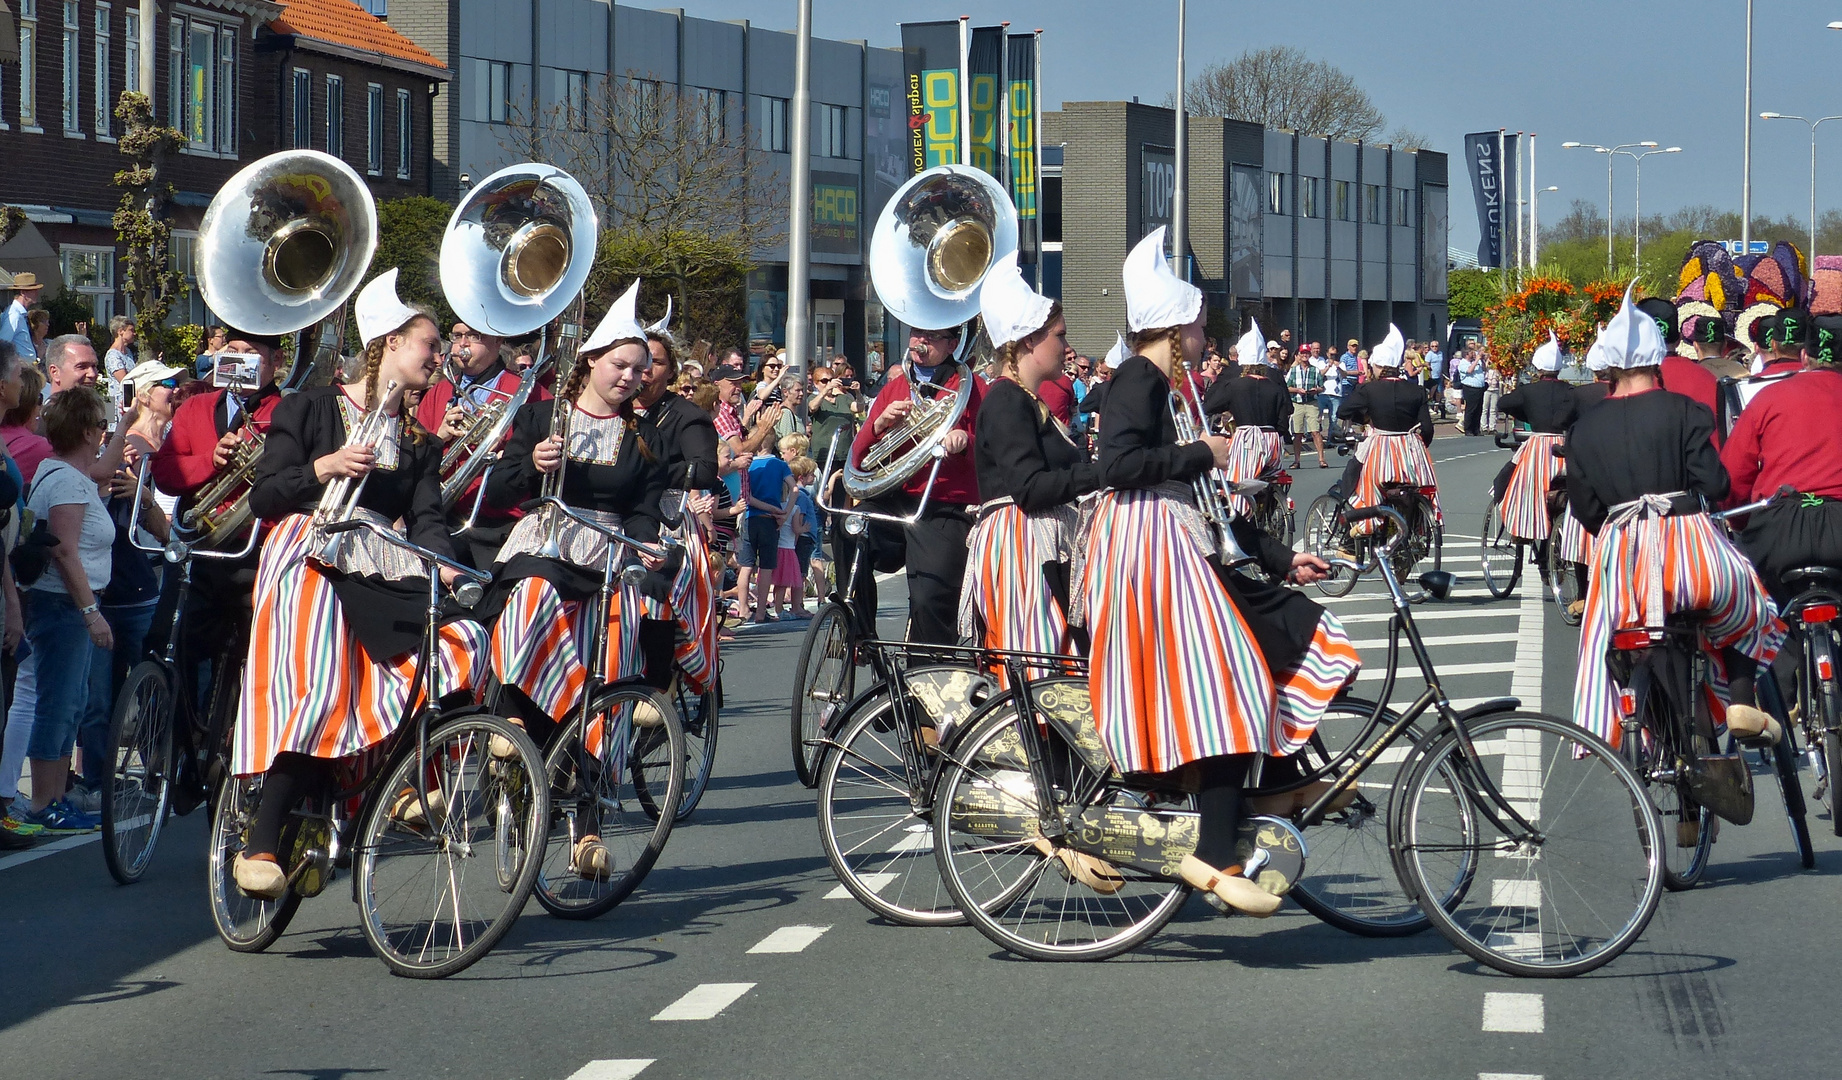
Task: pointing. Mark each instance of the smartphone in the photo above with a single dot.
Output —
(671, 506)
(127, 390)
(237, 371)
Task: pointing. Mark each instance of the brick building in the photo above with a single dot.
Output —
(216, 67)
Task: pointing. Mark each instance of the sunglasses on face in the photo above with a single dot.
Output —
(170, 384)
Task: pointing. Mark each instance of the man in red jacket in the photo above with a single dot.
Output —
(447, 409)
(1682, 375)
(933, 549)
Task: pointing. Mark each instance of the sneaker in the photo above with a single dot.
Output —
(84, 800)
(11, 824)
(60, 819)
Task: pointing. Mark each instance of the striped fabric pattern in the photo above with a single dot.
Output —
(539, 641)
(1176, 675)
(1525, 498)
(1305, 690)
(1251, 454)
(1701, 571)
(1007, 592)
(1575, 545)
(693, 608)
(1391, 459)
(309, 687)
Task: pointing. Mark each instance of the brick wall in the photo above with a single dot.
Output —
(435, 25)
(274, 102)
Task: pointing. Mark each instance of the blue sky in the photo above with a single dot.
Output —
(1611, 71)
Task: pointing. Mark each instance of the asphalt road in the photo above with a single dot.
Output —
(1737, 978)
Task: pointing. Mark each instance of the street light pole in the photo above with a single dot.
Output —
(1813, 125)
(1608, 151)
(1178, 218)
(1637, 208)
(799, 201)
(1535, 225)
(1746, 152)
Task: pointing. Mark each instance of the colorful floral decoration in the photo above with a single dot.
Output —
(1515, 326)
(1773, 282)
(1826, 286)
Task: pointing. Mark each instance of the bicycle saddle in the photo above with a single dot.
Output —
(1813, 575)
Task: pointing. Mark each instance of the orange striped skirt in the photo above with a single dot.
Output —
(1252, 452)
(540, 643)
(1575, 545)
(1005, 599)
(693, 609)
(309, 686)
(1389, 458)
(1525, 498)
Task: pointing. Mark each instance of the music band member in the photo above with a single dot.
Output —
(1193, 665)
(477, 378)
(1400, 430)
(1261, 408)
(1549, 406)
(1639, 466)
(1015, 594)
(331, 660)
(933, 549)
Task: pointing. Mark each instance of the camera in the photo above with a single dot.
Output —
(241, 372)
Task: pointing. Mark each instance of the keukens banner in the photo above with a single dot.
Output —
(1491, 158)
(1020, 70)
(930, 53)
(985, 99)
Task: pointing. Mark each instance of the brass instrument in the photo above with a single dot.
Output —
(1212, 488)
(561, 409)
(932, 247)
(340, 499)
(282, 248)
(515, 256)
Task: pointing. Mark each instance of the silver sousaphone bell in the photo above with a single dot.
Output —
(935, 241)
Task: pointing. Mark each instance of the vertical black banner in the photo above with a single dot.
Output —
(985, 98)
(1491, 158)
(930, 53)
(1021, 98)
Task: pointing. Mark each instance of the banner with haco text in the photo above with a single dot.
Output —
(930, 52)
(1491, 158)
(1020, 70)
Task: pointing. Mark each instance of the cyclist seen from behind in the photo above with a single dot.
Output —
(1400, 430)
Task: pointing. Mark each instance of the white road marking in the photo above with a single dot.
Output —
(1446, 671)
(1527, 683)
(1515, 893)
(873, 882)
(52, 848)
(612, 1069)
(1382, 597)
(1514, 1012)
(705, 1001)
(1451, 639)
(789, 939)
(1423, 616)
(914, 838)
(1509, 1076)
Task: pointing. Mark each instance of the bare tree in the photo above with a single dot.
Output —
(1281, 87)
(1406, 138)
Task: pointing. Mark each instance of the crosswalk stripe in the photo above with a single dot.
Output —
(1514, 1012)
(1446, 671)
(873, 882)
(1423, 616)
(789, 939)
(1450, 639)
(704, 1002)
(612, 1069)
(51, 848)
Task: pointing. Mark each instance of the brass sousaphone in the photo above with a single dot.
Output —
(932, 247)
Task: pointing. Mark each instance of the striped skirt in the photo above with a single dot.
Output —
(1575, 545)
(540, 643)
(693, 610)
(1525, 499)
(1005, 600)
(309, 686)
(1389, 458)
(1252, 452)
(1176, 675)
(1649, 567)
(1307, 687)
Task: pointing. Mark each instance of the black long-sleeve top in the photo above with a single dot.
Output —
(629, 486)
(1391, 404)
(309, 425)
(1650, 443)
(1253, 401)
(685, 442)
(1021, 452)
(1589, 394)
(1547, 405)
(1138, 439)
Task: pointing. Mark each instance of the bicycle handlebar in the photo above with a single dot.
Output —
(1784, 492)
(613, 535)
(175, 550)
(424, 554)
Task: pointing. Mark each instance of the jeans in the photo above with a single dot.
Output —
(1330, 403)
(129, 624)
(62, 645)
(1490, 409)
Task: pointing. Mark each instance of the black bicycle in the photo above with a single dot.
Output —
(1813, 614)
(1329, 535)
(442, 824)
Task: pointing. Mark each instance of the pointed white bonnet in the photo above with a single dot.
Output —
(1631, 339)
(619, 323)
(1390, 352)
(664, 325)
(1548, 356)
(1251, 349)
(1011, 309)
(1116, 355)
(377, 309)
(1595, 356)
(1156, 297)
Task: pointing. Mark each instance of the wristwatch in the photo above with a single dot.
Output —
(86, 612)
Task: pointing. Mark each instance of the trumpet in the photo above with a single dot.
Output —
(560, 411)
(1212, 488)
(221, 507)
(340, 500)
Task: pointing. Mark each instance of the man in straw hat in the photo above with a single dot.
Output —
(16, 328)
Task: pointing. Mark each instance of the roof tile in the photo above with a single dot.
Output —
(341, 22)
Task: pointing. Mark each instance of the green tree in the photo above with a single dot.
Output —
(409, 232)
(1470, 291)
(706, 276)
(152, 282)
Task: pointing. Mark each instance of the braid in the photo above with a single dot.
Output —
(628, 416)
(575, 381)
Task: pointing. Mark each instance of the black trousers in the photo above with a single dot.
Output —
(1474, 407)
(1789, 536)
(932, 551)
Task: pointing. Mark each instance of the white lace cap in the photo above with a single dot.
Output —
(377, 309)
(1548, 356)
(1631, 339)
(1011, 309)
(619, 323)
(1390, 352)
(1116, 355)
(1251, 349)
(1155, 297)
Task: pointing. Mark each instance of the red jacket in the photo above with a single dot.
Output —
(183, 464)
(434, 406)
(1788, 435)
(958, 482)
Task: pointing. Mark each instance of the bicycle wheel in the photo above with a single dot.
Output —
(1006, 879)
(1502, 555)
(1350, 881)
(878, 837)
(1564, 581)
(137, 790)
(431, 901)
(1656, 756)
(1418, 542)
(1562, 901)
(1326, 535)
(827, 676)
(611, 791)
(1783, 759)
(697, 715)
(1823, 712)
(246, 924)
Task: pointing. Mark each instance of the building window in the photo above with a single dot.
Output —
(830, 139)
(90, 273)
(227, 90)
(103, 97)
(492, 90)
(73, 64)
(131, 50)
(374, 129)
(712, 114)
(28, 63)
(1340, 200)
(1276, 192)
(1308, 192)
(572, 96)
(403, 144)
(642, 100)
(1403, 206)
(1372, 203)
(175, 72)
(335, 116)
(303, 109)
(182, 248)
(380, 8)
(770, 124)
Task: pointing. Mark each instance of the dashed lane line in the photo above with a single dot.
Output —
(612, 1069)
(789, 939)
(1514, 1012)
(52, 848)
(1449, 639)
(705, 1002)
(873, 882)
(1509, 1076)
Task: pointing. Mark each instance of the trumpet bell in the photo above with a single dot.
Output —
(518, 249)
(936, 240)
(286, 242)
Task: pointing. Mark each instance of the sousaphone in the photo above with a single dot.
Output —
(934, 243)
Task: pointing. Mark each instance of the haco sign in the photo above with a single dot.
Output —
(1157, 186)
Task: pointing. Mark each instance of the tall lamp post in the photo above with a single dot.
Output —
(1179, 215)
(1608, 151)
(799, 202)
(1814, 124)
(1637, 203)
(1535, 224)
